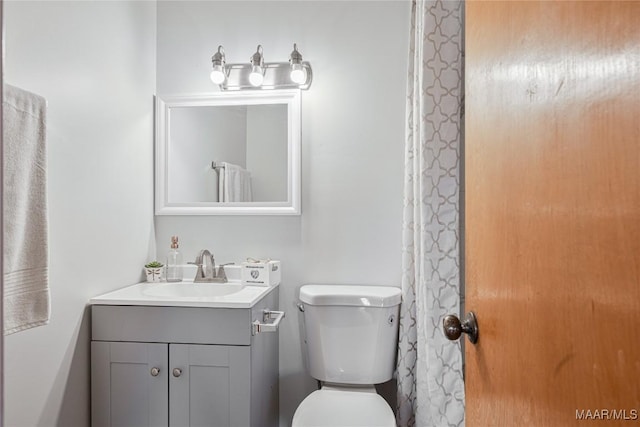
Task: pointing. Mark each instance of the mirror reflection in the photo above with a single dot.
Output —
(228, 153)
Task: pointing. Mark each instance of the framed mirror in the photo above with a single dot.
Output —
(228, 153)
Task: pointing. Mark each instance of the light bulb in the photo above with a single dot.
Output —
(256, 77)
(217, 75)
(297, 74)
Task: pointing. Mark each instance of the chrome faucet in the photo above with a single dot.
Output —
(206, 272)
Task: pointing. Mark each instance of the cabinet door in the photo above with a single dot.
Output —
(126, 390)
(212, 386)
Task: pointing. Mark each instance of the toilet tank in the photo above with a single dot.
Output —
(351, 332)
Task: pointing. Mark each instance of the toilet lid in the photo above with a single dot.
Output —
(334, 408)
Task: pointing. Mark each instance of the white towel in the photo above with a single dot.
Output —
(26, 278)
(220, 184)
(235, 183)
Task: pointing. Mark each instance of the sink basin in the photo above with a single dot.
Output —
(193, 290)
(185, 294)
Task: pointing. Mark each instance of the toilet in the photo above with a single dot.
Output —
(351, 335)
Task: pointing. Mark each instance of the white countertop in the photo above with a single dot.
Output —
(189, 295)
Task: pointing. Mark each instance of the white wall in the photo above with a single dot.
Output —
(267, 152)
(352, 145)
(198, 136)
(95, 64)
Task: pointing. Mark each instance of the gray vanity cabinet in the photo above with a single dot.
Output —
(213, 387)
(183, 367)
(155, 385)
(124, 391)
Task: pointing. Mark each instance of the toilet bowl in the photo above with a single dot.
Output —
(351, 335)
(334, 406)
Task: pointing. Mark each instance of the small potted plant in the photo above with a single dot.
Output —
(153, 271)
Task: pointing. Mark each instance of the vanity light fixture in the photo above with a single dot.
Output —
(260, 75)
(218, 75)
(256, 77)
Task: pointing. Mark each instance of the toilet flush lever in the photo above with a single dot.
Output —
(453, 327)
(265, 326)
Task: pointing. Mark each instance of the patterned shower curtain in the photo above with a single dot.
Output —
(429, 371)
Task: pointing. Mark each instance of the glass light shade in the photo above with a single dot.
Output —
(217, 75)
(256, 77)
(297, 74)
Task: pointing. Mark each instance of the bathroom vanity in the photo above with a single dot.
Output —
(191, 355)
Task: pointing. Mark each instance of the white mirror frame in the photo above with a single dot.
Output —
(163, 105)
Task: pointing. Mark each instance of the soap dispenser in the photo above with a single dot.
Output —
(174, 262)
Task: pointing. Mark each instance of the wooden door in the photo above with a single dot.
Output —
(129, 384)
(213, 386)
(553, 212)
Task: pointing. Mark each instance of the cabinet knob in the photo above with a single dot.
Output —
(177, 372)
(155, 371)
